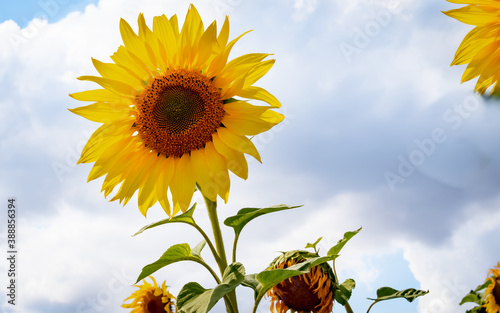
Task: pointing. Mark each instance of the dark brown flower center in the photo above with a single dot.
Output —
(179, 112)
(496, 290)
(155, 305)
(298, 294)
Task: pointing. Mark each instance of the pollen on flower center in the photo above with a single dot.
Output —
(179, 112)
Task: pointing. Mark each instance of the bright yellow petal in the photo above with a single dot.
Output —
(202, 173)
(473, 42)
(115, 72)
(95, 95)
(103, 112)
(474, 15)
(238, 142)
(258, 93)
(183, 184)
(235, 160)
(167, 168)
(168, 38)
(111, 84)
(101, 139)
(218, 170)
(252, 125)
(147, 194)
(134, 44)
(481, 61)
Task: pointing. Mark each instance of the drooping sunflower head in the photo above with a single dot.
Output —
(492, 293)
(175, 113)
(480, 49)
(151, 299)
(310, 292)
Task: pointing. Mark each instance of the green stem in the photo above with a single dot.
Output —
(347, 307)
(236, 236)
(220, 257)
(208, 241)
(219, 243)
(214, 275)
(369, 308)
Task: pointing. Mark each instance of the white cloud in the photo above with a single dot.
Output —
(304, 8)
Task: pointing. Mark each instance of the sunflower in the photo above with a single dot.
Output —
(151, 299)
(492, 293)
(175, 113)
(480, 48)
(311, 292)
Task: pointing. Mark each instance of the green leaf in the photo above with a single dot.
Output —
(267, 279)
(471, 297)
(341, 243)
(197, 250)
(313, 245)
(186, 217)
(387, 293)
(176, 253)
(193, 298)
(474, 295)
(245, 215)
(344, 291)
(483, 286)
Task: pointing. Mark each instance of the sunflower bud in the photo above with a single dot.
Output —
(311, 292)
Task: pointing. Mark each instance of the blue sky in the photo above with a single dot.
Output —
(379, 133)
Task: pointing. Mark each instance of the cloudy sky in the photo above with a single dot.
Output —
(379, 133)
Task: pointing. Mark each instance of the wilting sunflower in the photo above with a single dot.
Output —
(311, 292)
(480, 48)
(492, 293)
(151, 299)
(175, 113)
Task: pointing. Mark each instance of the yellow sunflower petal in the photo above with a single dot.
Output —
(202, 173)
(235, 160)
(473, 42)
(133, 43)
(111, 84)
(249, 125)
(474, 15)
(258, 93)
(238, 142)
(101, 139)
(218, 171)
(103, 112)
(183, 184)
(165, 176)
(95, 95)
(163, 28)
(147, 194)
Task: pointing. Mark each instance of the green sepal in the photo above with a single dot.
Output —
(245, 215)
(269, 278)
(474, 295)
(196, 251)
(344, 291)
(313, 245)
(186, 217)
(387, 293)
(176, 253)
(341, 243)
(193, 298)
